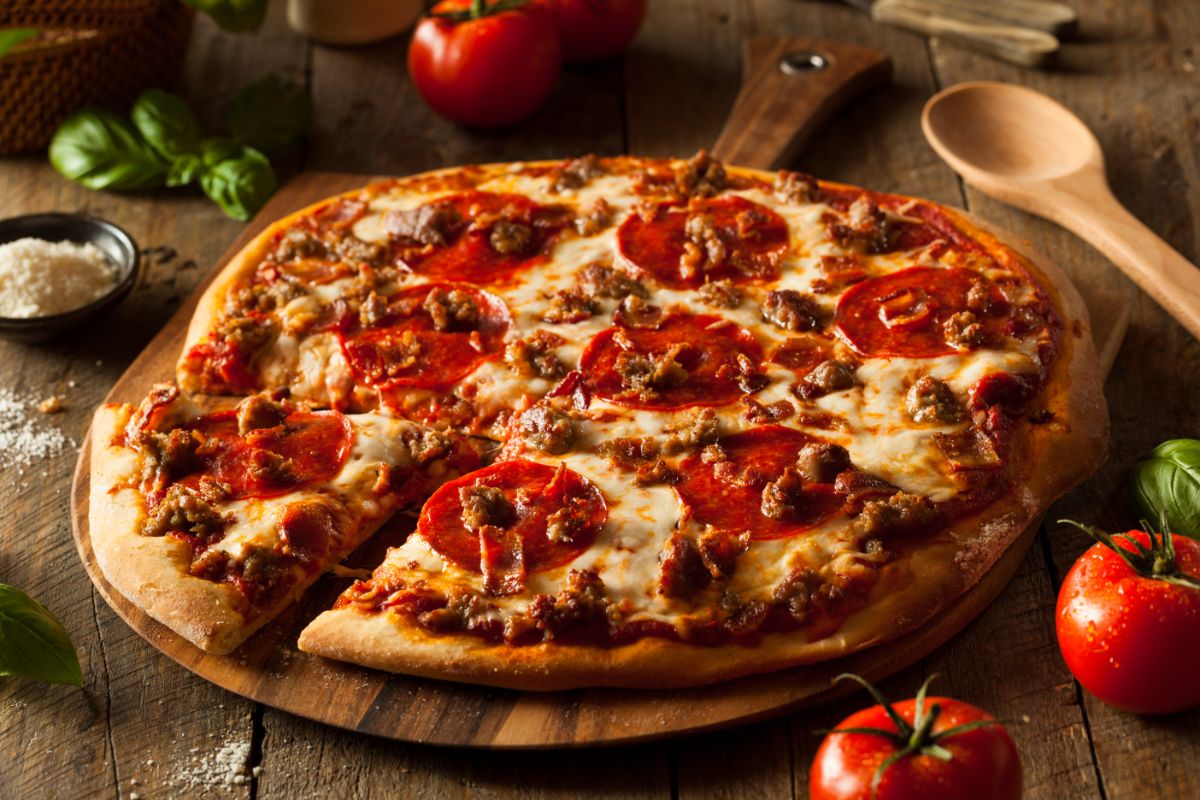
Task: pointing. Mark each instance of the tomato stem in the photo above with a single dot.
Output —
(909, 739)
(1156, 562)
(477, 10)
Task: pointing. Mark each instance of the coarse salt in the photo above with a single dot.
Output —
(40, 278)
(24, 438)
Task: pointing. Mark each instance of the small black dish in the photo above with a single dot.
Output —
(114, 242)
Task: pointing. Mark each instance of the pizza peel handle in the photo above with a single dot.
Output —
(790, 86)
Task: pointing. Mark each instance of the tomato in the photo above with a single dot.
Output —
(593, 30)
(932, 760)
(1129, 623)
(482, 66)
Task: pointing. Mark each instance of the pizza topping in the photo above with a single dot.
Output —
(825, 378)
(429, 342)
(504, 511)
(657, 472)
(594, 219)
(963, 331)
(568, 306)
(757, 488)
(182, 509)
(864, 227)
(968, 449)
(688, 360)
(682, 247)
(796, 187)
(839, 272)
(721, 293)
(801, 353)
(430, 224)
(634, 312)
(919, 313)
(929, 400)
(304, 448)
(719, 550)
(576, 173)
(535, 356)
(792, 310)
(772, 412)
(474, 236)
(463, 611)
(547, 429)
(510, 237)
(582, 604)
(451, 309)
(259, 411)
(682, 571)
(628, 453)
(899, 514)
(699, 176)
(822, 462)
(306, 531)
(298, 243)
(601, 280)
(484, 505)
(859, 487)
(796, 592)
(692, 429)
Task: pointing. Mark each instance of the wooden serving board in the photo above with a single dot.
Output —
(270, 670)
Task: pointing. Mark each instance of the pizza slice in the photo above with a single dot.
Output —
(212, 523)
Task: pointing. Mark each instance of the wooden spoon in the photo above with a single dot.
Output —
(1019, 146)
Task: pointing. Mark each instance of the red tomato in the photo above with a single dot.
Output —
(1133, 640)
(983, 762)
(487, 70)
(593, 30)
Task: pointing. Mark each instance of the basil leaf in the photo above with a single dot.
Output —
(240, 185)
(166, 123)
(100, 150)
(233, 15)
(269, 114)
(33, 644)
(12, 37)
(1166, 484)
(184, 170)
(214, 151)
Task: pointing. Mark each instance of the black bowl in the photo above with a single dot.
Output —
(115, 243)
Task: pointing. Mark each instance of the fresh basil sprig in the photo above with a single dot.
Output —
(165, 145)
(1165, 486)
(233, 15)
(33, 643)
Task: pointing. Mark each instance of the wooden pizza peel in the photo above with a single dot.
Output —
(790, 85)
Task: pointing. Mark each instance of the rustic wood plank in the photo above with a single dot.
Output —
(1127, 79)
(142, 725)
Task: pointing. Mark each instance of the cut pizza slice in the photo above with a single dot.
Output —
(212, 523)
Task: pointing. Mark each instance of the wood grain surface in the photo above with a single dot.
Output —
(145, 726)
(269, 668)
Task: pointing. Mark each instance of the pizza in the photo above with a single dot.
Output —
(692, 422)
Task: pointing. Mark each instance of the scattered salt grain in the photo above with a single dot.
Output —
(40, 278)
(24, 439)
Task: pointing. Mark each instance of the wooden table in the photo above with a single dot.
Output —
(145, 726)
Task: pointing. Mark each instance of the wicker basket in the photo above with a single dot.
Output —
(92, 51)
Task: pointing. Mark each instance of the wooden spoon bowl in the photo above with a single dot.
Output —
(1025, 149)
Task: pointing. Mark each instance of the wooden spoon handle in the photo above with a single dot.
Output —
(1169, 278)
(790, 86)
(1023, 46)
(1043, 15)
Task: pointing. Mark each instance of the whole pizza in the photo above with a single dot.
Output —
(662, 422)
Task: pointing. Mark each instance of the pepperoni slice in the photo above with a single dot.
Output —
(719, 362)
(536, 492)
(414, 349)
(752, 239)
(729, 494)
(469, 252)
(308, 447)
(801, 353)
(904, 313)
